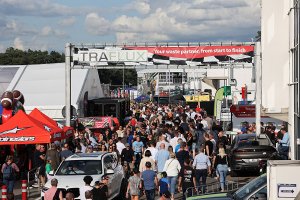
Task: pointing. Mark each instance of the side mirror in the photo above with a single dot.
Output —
(109, 172)
(51, 173)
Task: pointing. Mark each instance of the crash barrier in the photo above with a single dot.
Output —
(24, 189)
(4, 192)
(211, 188)
(31, 179)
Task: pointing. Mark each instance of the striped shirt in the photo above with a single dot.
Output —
(201, 161)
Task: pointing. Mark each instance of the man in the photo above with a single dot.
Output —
(182, 154)
(65, 152)
(202, 165)
(152, 149)
(284, 144)
(53, 154)
(70, 196)
(120, 145)
(87, 187)
(39, 160)
(150, 181)
(162, 140)
(222, 139)
(138, 148)
(53, 192)
(209, 146)
(187, 179)
(161, 157)
(127, 155)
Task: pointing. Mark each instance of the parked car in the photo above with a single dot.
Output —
(250, 152)
(71, 172)
(254, 190)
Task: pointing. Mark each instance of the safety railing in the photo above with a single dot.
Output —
(211, 188)
(31, 179)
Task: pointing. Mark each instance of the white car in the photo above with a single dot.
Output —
(71, 172)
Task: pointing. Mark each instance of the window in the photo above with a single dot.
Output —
(80, 167)
(261, 194)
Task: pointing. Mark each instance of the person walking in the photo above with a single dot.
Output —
(202, 165)
(138, 148)
(172, 167)
(9, 170)
(221, 163)
(53, 193)
(284, 144)
(147, 158)
(134, 186)
(87, 187)
(53, 155)
(150, 181)
(187, 179)
(160, 158)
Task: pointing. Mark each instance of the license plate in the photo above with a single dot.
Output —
(253, 160)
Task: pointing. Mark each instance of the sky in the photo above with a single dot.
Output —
(50, 24)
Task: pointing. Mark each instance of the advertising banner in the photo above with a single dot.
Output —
(196, 52)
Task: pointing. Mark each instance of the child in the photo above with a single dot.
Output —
(48, 167)
(163, 184)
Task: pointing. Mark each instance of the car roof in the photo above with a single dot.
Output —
(87, 156)
(246, 136)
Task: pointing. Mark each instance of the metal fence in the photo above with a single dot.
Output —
(211, 188)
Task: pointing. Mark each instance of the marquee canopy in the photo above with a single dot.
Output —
(23, 129)
(60, 131)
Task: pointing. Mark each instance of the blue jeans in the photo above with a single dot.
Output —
(172, 181)
(222, 170)
(201, 174)
(150, 194)
(10, 185)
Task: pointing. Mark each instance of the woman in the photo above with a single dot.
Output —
(102, 147)
(172, 167)
(147, 158)
(134, 186)
(221, 161)
(9, 169)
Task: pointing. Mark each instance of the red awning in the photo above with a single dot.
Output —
(60, 132)
(23, 129)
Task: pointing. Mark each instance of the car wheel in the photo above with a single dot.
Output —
(233, 173)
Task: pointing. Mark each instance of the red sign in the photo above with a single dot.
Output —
(195, 52)
(242, 109)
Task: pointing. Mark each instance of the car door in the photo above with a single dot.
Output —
(107, 165)
(118, 173)
(260, 194)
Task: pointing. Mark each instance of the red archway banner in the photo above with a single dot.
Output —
(23, 129)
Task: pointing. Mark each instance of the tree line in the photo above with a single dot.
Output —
(14, 56)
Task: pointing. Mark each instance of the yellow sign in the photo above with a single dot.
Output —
(197, 98)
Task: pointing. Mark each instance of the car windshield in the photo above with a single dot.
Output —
(80, 167)
(250, 187)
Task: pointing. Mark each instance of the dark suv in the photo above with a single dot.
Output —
(250, 152)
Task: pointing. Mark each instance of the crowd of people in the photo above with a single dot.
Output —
(163, 150)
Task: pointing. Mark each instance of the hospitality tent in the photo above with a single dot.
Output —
(64, 130)
(23, 129)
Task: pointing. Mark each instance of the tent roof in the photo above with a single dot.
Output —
(44, 84)
(23, 129)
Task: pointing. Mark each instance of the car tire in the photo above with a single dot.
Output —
(233, 173)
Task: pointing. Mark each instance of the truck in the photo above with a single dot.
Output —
(283, 179)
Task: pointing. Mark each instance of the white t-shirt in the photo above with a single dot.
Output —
(153, 151)
(120, 146)
(84, 189)
(172, 167)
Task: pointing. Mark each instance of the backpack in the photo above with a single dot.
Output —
(8, 172)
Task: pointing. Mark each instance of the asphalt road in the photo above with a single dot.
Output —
(242, 180)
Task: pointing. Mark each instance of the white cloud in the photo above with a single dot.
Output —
(49, 31)
(97, 25)
(67, 21)
(18, 43)
(190, 20)
(34, 8)
(2, 48)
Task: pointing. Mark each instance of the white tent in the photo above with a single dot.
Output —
(43, 87)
